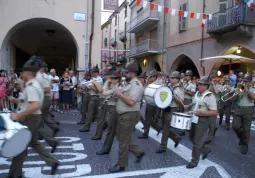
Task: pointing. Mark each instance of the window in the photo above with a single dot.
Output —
(125, 28)
(125, 11)
(182, 19)
(115, 35)
(116, 20)
(223, 5)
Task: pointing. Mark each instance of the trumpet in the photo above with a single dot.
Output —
(90, 83)
(237, 91)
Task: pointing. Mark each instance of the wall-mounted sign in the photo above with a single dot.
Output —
(111, 4)
(79, 16)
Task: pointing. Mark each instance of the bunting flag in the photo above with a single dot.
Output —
(182, 13)
(138, 2)
(250, 3)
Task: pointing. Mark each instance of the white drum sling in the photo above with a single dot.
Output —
(158, 95)
(181, 121)
(14, 138)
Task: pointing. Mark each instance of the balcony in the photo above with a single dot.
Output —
(113, 42)
(143, 20)
(231, 19)
(121, 58)
(123, 37)
(145, 48)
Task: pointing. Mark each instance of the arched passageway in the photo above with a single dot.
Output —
(157, 67)
(42, 37)
(184, 63)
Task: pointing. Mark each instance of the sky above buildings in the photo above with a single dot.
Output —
(106, 15)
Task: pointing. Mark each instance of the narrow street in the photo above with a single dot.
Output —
(78, 159)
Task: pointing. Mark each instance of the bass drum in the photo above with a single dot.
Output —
(158, 95)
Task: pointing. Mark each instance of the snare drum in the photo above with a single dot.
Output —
(158, 95)
(181, 121)
(15, 139)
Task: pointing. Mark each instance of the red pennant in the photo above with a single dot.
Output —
(203, 25)
(252, 6)
(180, 13)
(192, 15)
(152, 6)
(204, 16)
(166, 9)
(138, 2)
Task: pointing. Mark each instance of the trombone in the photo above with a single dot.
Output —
(237, 91)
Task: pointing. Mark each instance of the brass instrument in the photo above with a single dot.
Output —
(237, 91)
(90, 83)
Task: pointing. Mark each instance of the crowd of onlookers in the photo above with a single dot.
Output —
(63, 89)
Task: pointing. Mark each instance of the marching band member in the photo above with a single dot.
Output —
(93, 108)
(102, 112)
(85, 97)
(150, 110)
(188, 87)
(182, 80)
(225, 107)
(243, 113)
(32, 101)
(178, 97)
(205, 109)
(108, 90)
(45, 83)
(128, 109)
(240, 77)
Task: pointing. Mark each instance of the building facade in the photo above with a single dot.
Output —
(105, 44)
(231, 28)
(148, 30)
(55, 29)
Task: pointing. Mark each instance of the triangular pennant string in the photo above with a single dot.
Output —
(204, 16)
(160, 8)
(198, 16)
(192, 15)
(180, 13)
(144, 4)
(138, 2)
(173, 11)
(166, 9)
(210, 16)
(185, 14)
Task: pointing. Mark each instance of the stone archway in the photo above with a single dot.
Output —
(183, 63)
(42, 37)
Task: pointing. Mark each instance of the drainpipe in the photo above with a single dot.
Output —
(202, 42)
(163, 38)
(92, 31)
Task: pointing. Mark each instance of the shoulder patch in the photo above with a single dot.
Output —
(30, 84)
(137, 83)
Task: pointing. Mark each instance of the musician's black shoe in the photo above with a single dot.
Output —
(84, 130)
(58, 123)
(243, 150)
(96, 138)
(80, 123)
(102, 152)
(191, 165)
(143, 136)
(182, 133)
(227, 127)
(160, 150)
(206, 154)
(55, 132)
(207, 142)
(54, 168)
(177, 142)
(139, 158)
(116, 168)
(54, 148)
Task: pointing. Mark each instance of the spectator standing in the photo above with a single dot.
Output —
(66, 84)
(232, 78)
(73, 88)
(55, 88)
(3, 90)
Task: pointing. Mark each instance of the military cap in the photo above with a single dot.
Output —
(182, 75)
(188, 73)
(132, 67)
(87, 73)
(33, 64)
(154, 73)
(204, 80)
(240, 74)
(95, 69)
(115, 74)
(247, 78)
(142, 75)
(107, 72)
(226, 78)
(175, 74)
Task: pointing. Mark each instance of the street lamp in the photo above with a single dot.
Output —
(238, 51)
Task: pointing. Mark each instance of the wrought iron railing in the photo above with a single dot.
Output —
(232, 17)
(145, 46)
(145, 14)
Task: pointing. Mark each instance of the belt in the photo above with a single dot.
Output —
(244, 106)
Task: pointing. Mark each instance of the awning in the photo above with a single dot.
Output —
(230, 59)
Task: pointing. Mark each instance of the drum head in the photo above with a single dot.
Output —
(182, 114)
(16, 144)
(163, 97)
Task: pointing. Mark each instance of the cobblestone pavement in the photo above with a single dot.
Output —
(78, 159)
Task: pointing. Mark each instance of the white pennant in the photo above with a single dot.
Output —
(204, 21)
(185, 14)
(160, 8)
(210, 16)
(144, 4)
(173, 11)
(198, 16)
